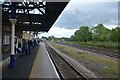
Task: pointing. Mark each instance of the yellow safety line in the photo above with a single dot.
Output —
(33, 68)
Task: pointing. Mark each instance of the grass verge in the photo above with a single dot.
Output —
(107, 44)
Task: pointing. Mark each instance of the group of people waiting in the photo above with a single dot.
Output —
(27, 46)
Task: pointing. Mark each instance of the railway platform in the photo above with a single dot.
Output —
(43, 66)
(35, 65)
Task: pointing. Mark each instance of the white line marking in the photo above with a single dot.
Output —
(52, 63)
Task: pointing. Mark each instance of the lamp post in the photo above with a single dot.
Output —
(12, 55)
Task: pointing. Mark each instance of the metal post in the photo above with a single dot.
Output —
(0, 42)
(12, 56)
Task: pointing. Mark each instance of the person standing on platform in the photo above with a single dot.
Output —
(29, 46)
(34, 42)
(19, 44)
(25, 47)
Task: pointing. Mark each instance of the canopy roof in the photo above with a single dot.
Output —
(32, 16)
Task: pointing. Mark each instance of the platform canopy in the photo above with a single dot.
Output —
(32, 16)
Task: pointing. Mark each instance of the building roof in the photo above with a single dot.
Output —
(32, 16)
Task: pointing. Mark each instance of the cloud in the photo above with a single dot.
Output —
(79, 14)
(59, 32)
(111, 26)
(108, 26)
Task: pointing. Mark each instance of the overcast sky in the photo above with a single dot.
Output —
(78, 13)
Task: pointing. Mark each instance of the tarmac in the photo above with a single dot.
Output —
(37, 65)
(23, 67)
(43, 66)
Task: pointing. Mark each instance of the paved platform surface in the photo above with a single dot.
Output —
(5, 55)
(23, 66)
(43, 66)
(35, 65)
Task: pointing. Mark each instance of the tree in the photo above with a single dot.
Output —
(51, 37)
(83, 34)
(115, 36)
(100, 33)
(44, 37)
(72, 38)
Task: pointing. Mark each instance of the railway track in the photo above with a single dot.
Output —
(94, 49)
(64, 69)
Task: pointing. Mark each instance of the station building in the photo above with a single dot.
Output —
(19, 19)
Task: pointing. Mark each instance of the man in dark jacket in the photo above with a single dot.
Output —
(29, 46)
(25, 47)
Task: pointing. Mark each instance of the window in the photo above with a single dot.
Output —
(6, 40)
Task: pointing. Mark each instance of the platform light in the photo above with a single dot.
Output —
(36, 23)
(26, 22)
